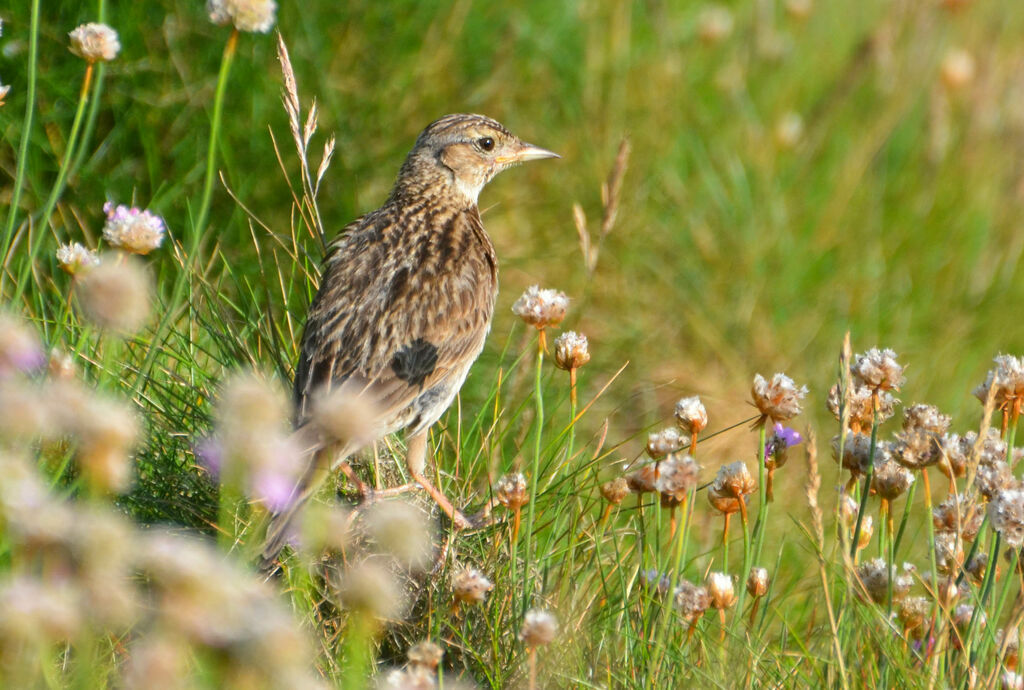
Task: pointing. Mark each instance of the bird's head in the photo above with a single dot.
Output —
(464, 152)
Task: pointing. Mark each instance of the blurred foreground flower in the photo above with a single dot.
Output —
(4, 90)
(470, 586)
(20, 349)
(116, 294)
(95, 42)
(957, 69)
(714, 24)
(256, 16)
(134, 230)
(539, 629)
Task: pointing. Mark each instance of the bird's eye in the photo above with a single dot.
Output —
(486, 143)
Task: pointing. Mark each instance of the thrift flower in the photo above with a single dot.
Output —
(777, 398)
(571, 351)
(878, 370)
(75, 258)
(253, 16)
(541, 308)
(133, 230)
(539, 629)
(95, 42)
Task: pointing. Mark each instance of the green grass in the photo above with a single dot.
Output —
(894, 217)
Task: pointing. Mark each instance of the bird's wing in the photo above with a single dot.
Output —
(398, 315)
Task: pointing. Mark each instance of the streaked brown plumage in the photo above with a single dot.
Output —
(406, 298)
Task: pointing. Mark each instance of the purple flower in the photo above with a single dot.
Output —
(273, 489)
(781, 439)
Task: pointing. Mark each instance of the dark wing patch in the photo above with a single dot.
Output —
(414, 362)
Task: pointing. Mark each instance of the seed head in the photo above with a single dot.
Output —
(957, 69)
(426, 653)
(890, 479)
(133, 230)
(875, 577)
(571, 350)
(94, 42)
(926, 417)
(539, 629)
(676, 478)
(917, 448)
(615, 491)
(511, 491)
(20, 350)
(861, 405)
(878, 370)
(1006, 513)
(949, 552)
(691, 415)
(955, 455)
(116, 295)
(661, 443)
(75, 258)
(912, 612)
(993, 477)
(757, 582)
(721, 590)
(714, 24)
(1006, 380)
(642, 480)
(541, 308)
(959, 514)
(253, 16)
(470, 586)
(692, 600)
(778, 398)
(977, 566)
(732, 484)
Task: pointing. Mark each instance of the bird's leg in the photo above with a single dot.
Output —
(415, 458)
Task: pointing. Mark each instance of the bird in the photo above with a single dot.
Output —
(404, 305)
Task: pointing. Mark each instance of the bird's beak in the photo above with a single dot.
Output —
(528, 152)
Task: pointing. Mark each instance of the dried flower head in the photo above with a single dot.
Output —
(993, 477)
(913, 612)
(959, 513)
(757, 582)
(957, 69)
(253, 16)
(95, 42)
(874, 575)
(714, 24)
(917, 448)
(927, 417)
(777, 398)
(1005, 380)
(856, 453)
(691, 415)
(878, 370)
(20, 349)
(1010, 639)
(1010, 680)
(643, 479)
(654, 582)
(861, 404)
(1006, 513)
(890, 479)
(732, 484)
(676, 478)
(692, 600)
(945, 589)
(615, 491)
(541, 308)
(425, 653)
(134, 230)
(848, 508)
(470, 586)
(75, 258)
(571, 350)
(721, 590)
(116, 295)
(661, 443)
(867, 530)
(372, 589)
(956, 455)
(511, 491)
(949, 551)
(403, 530)
(539, 628)
(977, 566)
